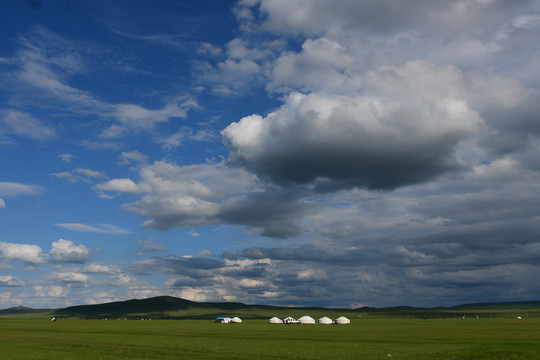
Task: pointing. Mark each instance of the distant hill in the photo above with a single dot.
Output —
(24, 312)
(21, 310)
(161, 304)
(168, 307)
(522, 305)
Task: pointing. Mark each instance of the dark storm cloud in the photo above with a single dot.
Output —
(357, 256)
(195, 267)
(276, 211)
(482, 207)
(402, 130)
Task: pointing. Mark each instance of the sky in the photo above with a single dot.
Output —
(328, 153)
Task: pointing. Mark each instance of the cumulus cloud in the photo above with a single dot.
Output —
(404, 131)
(65, 251)
(186, 196)
(25, 253)
(179, 196)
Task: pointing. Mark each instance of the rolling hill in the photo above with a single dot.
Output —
(168, 307)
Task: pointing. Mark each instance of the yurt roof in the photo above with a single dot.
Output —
(307, 320)
(343, 320)
(325, 320)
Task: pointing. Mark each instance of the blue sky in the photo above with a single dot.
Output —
(332, 153)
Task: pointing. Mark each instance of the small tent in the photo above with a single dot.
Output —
(325, 321)
(275, 320)
(236, 319)
(342, 320)
(306, 320)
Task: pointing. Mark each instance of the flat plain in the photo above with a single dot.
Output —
(470, 338)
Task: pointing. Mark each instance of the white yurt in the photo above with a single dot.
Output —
(275, 320)
(325, 321)
(342, 320)
(236, 319)
(306, 320)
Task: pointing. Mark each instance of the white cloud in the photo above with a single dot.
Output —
(9, 281)
(123, 280)
(66, 251)
(14, 122)
(343, 17)
(250, 283)
(14, 189)
(188, 195)
(114, 132)
(231, 76)
(85, 175)
(140, 118)
(66, 157)
(208, 49)
(90, 173)
(203, 253)
(124, 185)
(67, 277)
(187, 134)
(100, 228)
(129, 157)
(25, 253)
(44, 65)
(8, 297)
(95, 268)
(149, 245)
(54, 291)
(323, 63)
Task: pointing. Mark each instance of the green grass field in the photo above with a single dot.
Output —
(496, 338)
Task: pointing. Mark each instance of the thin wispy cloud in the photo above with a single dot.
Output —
(99, 228)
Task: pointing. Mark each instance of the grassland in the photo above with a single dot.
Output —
(392, 338)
